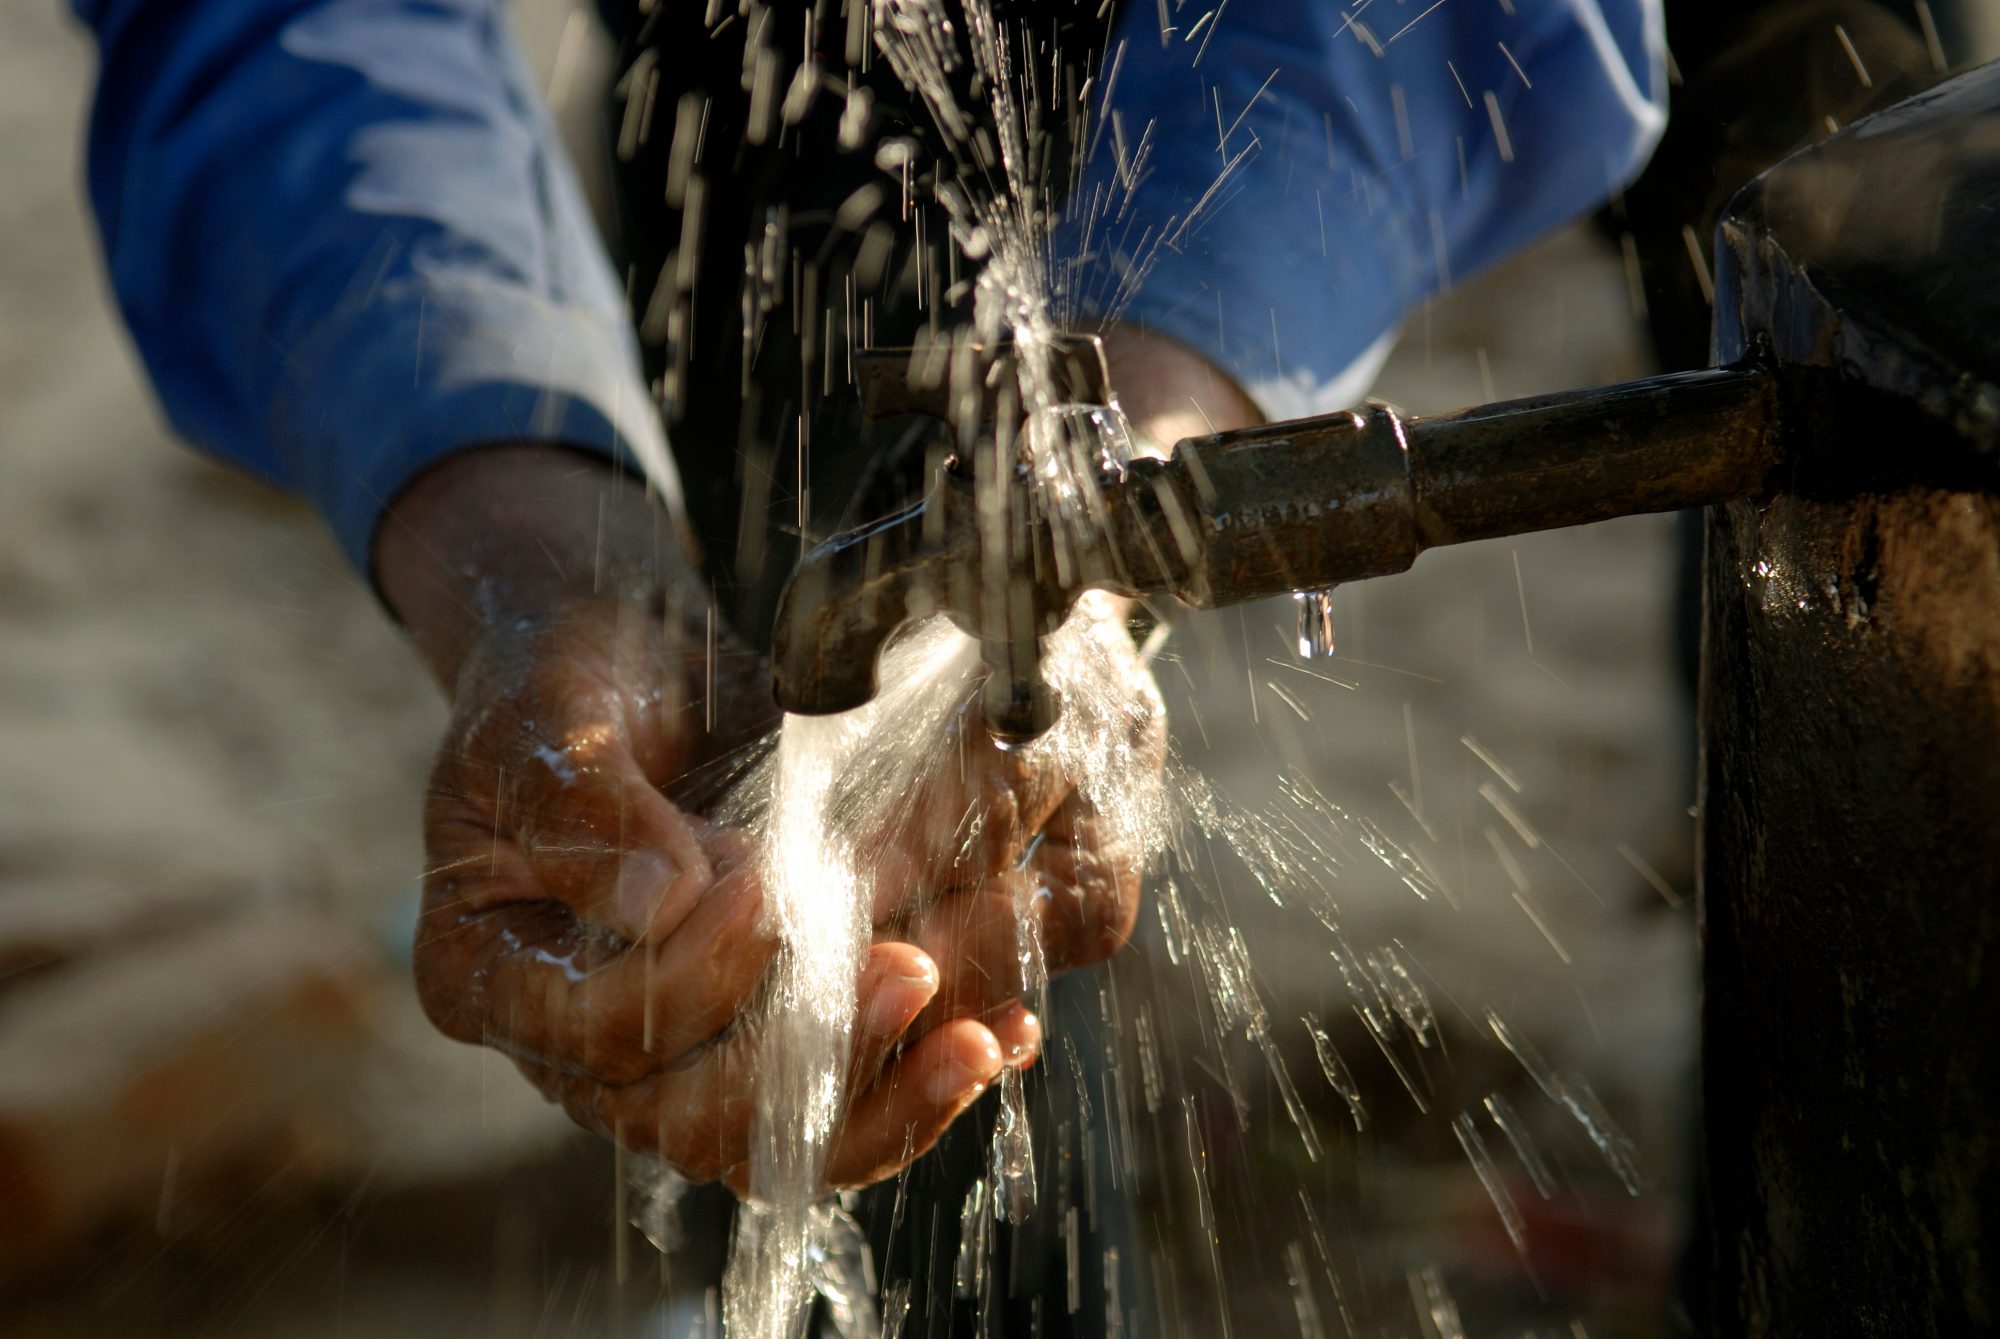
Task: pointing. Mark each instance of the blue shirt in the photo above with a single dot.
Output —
(347, 243)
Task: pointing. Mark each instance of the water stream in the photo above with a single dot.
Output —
(832, 785)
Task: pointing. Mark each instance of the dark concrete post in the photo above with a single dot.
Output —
(1850, 700)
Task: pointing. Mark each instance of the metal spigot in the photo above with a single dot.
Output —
(989, 545)
(1253, 513)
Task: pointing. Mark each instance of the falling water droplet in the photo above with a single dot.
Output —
(1012, 1163)
(1336, 1071)
(1315, 623)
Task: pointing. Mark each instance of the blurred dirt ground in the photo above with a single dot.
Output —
(222, 1114)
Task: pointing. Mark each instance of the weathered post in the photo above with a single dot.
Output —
(1850, 700)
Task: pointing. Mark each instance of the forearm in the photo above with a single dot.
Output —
(503, 538)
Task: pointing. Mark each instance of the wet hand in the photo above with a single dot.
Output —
(1016, 864)
(576, 916)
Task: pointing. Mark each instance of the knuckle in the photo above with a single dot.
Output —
(607, 1044)
(695, 1151)
(437, 960)
(1110, 896)
(1110, 929)
(1095, 912)
(583, 1103)
(442, 1005)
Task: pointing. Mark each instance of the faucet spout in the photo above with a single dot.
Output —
(843, 603)
(977, 549)
(1253, 513)
(992, 545)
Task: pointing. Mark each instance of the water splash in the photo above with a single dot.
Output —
(1575, 1097)
(1011, 1166)
(1509, 1123)
(835, 797)
(1495, 1186)
(1303, 1305)
(1338, 1076)
(825, 791)
(1435, 1304)
(975, 1237)
(656, 1210)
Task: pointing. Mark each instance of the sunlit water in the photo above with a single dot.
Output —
(876, 757)
(818, 892)
(832, 785)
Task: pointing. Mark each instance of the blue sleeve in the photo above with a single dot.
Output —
(347, 243)
(1276, 182)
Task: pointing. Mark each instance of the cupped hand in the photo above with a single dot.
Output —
(583, 917)
(1016, 863)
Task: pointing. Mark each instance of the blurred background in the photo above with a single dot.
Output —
(222, 1113)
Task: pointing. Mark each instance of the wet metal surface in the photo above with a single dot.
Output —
(1851, 722)
(851, 593)
(1261, 511)
(1305, 505)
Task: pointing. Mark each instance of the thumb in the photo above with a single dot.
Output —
(598, 836)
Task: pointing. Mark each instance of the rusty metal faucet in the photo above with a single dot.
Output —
(997, 544)
(1245, 515)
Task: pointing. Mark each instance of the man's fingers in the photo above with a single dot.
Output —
(901, 1116)
(600, 837)
(897, 981)
(527, 978)
(1019, 1033)
(699, 1115)
(977, 807)
(1075, 902)
(1094, 885)
(975, 939)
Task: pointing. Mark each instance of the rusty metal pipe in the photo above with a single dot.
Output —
(1261, 511)
(1662, 444)
(1310, 504)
